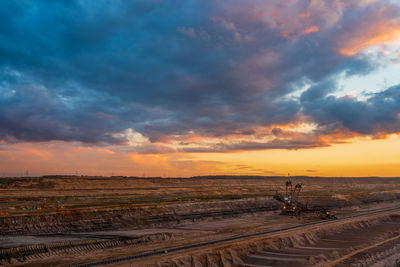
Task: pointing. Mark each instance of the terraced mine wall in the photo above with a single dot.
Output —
(134, 217)
(12, 256)
(365, 242)
(157, 215)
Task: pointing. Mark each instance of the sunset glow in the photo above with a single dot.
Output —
(185, 88)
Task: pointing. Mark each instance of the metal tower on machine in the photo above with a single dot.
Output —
(292, 205)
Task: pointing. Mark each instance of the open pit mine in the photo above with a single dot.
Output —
(199, 221)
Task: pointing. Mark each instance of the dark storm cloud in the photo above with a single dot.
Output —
(85, 70)
(376, 115)
(319, 91)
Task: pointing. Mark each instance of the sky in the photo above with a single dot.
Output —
(180, 88)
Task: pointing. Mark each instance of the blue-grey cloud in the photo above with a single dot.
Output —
(85, 70)
(376, 115)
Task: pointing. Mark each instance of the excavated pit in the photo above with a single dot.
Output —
(373, 242)
(65, 221)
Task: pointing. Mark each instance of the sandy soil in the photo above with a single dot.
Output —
(73, 220)
(185, 233)
(357, 242)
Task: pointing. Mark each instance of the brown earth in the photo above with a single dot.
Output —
(63, 221)
(372, 241)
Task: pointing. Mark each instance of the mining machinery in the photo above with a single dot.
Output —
(292, 206)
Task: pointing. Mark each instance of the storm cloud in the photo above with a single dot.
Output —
(172, 70)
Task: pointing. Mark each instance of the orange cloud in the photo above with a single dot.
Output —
(309, 30)
(381, 37)
(293, 19)
(375, 29)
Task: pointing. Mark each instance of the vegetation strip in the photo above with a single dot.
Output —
(220, 241)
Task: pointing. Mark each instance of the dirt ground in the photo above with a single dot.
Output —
(370, 241)
(64, 221)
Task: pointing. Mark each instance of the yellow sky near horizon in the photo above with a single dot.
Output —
(358, 157)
